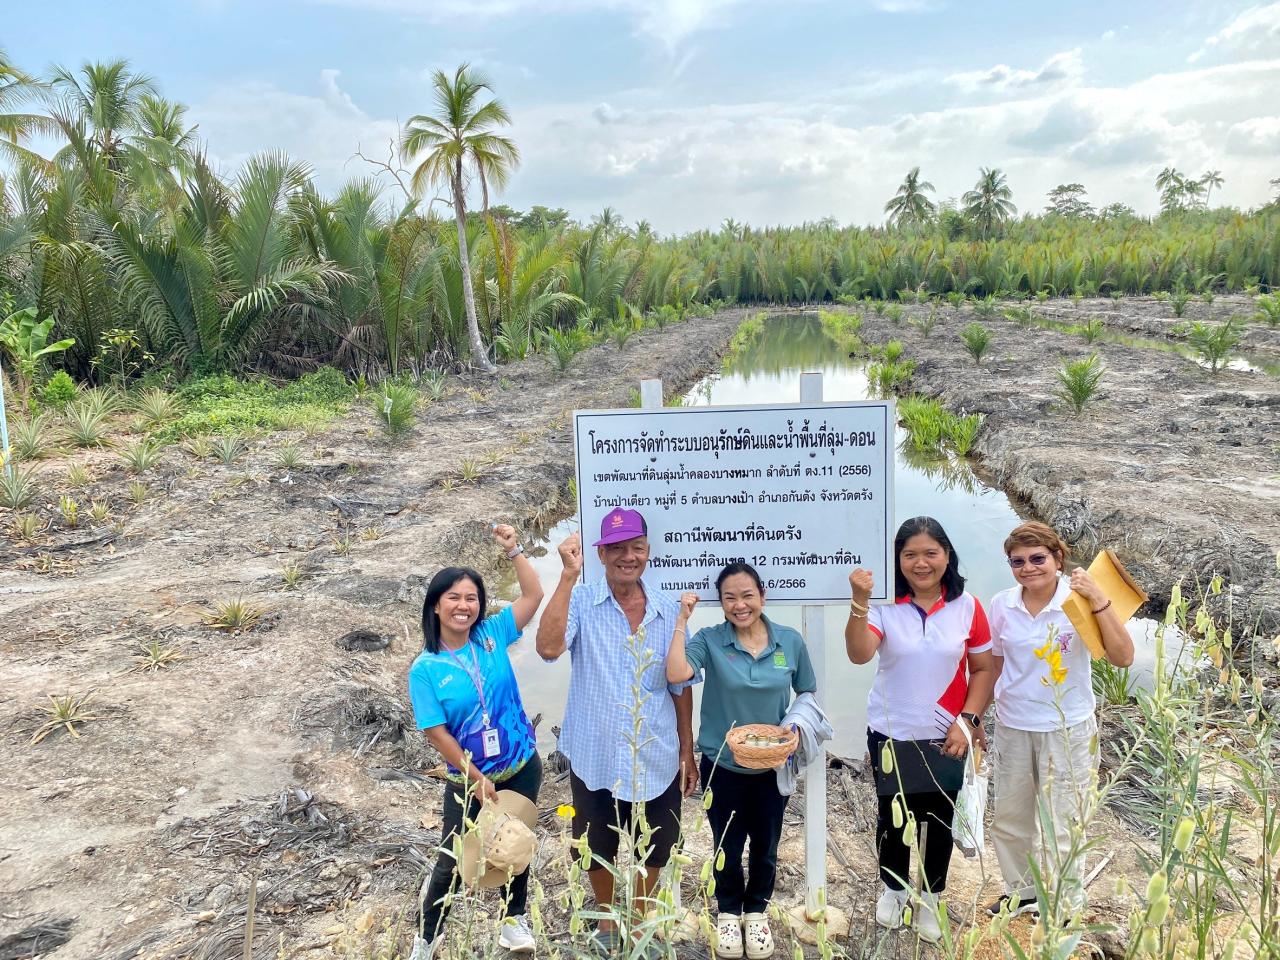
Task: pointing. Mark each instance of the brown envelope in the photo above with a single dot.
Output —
(1114, 581)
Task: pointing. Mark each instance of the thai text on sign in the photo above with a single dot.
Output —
(802, 492)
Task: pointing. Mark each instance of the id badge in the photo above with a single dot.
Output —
(492, 745)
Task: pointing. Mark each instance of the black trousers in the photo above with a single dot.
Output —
(744, 807)
(432, 910)
(935, 808)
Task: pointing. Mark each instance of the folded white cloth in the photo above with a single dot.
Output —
(811, 723)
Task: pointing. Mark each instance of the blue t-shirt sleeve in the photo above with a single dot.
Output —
(427, 711)
(500, 628)
(803, 679)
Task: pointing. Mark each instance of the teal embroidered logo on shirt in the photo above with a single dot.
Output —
(779, 658)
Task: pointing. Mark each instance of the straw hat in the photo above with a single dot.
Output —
(502, 843)
(1114, 581)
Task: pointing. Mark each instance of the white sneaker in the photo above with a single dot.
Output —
(516, 934)
(422, 950)
(928, 918)
(757, 936)
(889, 908)
(729, 936)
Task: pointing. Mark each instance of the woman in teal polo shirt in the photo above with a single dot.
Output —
(466, 702)
(751, 666)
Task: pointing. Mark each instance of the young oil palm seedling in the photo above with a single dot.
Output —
(976, 339)
(18, 488)
(469, 470)
(986, 307)
(1268, 309)
(394, 404)
(34, 438)
(1178, 300)
(1079, 380)
(926, 323)
(893, 351)
(1214, 342)
(435, 384)
(86, 423)
(561, 347)
(1091, 329)
(141, 455)
(620, 332)
(138, 492)
(233, 615)
(895, 313)
(100, 511)
(64, 713)
(962, 431)
(154, 656)
(228, 448)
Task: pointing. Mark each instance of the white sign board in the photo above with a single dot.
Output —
(802, 492)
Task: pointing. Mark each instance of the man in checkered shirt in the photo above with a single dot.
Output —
(617, 632)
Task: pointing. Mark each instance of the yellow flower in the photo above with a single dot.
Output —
(566, 811)
(1043, 652)
(1057, 672)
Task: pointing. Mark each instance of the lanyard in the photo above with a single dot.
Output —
(477, 679)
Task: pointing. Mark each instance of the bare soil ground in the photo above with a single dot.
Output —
(1176, 468)
(277, 753)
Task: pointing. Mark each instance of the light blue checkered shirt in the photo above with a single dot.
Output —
(598, 731)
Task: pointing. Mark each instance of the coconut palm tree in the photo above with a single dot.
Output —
(457, 139)
(1210, 179)
(18, 89)
(909, 206)
(107, 99)
(990, 203)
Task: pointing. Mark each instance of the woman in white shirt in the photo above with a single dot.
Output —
(1046, 747)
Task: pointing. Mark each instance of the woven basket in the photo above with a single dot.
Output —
(754, 757)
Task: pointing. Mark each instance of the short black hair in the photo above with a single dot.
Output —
(438, 587)
(737, 567)
(952, 582)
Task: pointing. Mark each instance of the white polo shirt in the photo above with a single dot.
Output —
(1023, 700)
(922, 677)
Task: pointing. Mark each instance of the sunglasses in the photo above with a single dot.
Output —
(1036, 560)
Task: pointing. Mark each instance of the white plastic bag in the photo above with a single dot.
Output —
(971, 805)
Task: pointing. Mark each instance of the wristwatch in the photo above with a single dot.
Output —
(975, 721)
(512, 554)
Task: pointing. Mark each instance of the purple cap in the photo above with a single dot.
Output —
(619, 525)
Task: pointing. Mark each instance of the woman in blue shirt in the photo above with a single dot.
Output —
(466, 702)
(751, 667)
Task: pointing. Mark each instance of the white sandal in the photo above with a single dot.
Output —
(729, 936)
(758, 937)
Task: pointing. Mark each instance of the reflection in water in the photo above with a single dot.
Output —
(767, 370)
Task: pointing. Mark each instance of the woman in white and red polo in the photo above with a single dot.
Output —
(935, 673)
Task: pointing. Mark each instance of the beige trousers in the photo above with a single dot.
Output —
(1041, 777)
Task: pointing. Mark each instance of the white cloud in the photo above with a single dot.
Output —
(324, 128)
(1257, 135)
(1060, 69)
(1254, 32)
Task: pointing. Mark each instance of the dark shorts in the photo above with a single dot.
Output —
(601, 816)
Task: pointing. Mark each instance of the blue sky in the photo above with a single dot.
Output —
(685, 112)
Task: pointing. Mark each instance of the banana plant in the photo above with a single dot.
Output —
(26, 341)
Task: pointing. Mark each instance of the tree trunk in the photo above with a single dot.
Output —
(478, 352)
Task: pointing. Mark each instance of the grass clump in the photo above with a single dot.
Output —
(233, 615)
(64, 713)
(977, 339)
(141, 456)
(18, 488)
(394, 405)
(25, 526)
(34, 438)
(70, 512)
(222, 404)
(228, 448)
(845, 329)
(86, 424)
(156, 656)
(1078, 381)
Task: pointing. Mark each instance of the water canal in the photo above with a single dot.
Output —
(767, 369)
